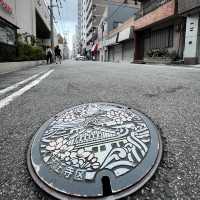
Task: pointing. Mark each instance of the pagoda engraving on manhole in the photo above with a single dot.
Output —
(73, 151)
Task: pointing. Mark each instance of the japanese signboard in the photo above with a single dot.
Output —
(6, 7)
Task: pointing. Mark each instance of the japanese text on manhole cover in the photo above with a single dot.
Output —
(95, 150)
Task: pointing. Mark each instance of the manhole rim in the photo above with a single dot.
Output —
(118, 195)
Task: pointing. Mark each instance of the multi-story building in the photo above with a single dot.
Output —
(8, 29)
(74, 47)
(30, 17)
(116, 13)
(78, 29)
(66, 50)
(92, 11)
(155, 34)
(159, 31)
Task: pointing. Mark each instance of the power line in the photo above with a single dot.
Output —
(53, 19)
(123, 4)
(60, 14)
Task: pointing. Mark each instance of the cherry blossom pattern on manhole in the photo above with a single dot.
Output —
(94, 150)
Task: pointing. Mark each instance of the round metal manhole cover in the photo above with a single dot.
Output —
(95, 150)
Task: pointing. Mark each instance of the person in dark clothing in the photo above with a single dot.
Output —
(58, 54)
(49, 55)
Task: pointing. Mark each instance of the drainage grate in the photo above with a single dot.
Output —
(93, 150)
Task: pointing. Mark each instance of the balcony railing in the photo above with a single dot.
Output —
(150, 6)
(89, 37)
(89, 17)
(89, 5)
(89, 27)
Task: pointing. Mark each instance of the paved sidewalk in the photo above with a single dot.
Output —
(7, 67)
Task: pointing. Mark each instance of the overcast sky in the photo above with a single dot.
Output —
(69, 18)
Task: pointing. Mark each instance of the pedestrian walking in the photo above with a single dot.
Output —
(58, 54)
(49, 55)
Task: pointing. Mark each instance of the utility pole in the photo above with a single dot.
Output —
(51, 21)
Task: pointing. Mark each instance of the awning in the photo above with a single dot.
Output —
(126, 34)
(95, 47)
(110, 41)
(2, 20)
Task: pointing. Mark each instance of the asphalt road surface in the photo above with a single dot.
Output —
(169, 95)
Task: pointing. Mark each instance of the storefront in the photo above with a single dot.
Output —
(121, 47)
(128, 51)
(109, 51)
(111, 54)
(118, 53)
(8, 34)
(8, 30)
(127, 43)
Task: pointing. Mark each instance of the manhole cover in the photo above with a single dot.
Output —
(95, 150)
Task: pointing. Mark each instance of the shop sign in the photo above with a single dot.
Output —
(126, 34)
(6, 6)
(110, 41)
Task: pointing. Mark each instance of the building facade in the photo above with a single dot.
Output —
(8, 29)
(162, 31)
(91, 14)
(159, 32)
(29, 18)
(37, 20)
(78, 28)
(114, 33)
(190, 10)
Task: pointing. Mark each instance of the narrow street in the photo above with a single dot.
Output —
(169, 95)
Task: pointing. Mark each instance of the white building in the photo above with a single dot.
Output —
(91, 13)
(66, 50)
(79, 20)
(32, 19)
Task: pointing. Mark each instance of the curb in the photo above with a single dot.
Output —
(8, 67)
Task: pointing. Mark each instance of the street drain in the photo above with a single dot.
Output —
(95, 150)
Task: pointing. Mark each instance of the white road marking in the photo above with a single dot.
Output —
(4, 102)
(12, 87)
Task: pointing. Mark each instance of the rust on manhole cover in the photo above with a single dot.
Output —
(95, 150)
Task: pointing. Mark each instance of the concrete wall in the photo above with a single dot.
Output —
(187, 5)
(25, 16)
(163, 12)
(43, 11)
(191, 39)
